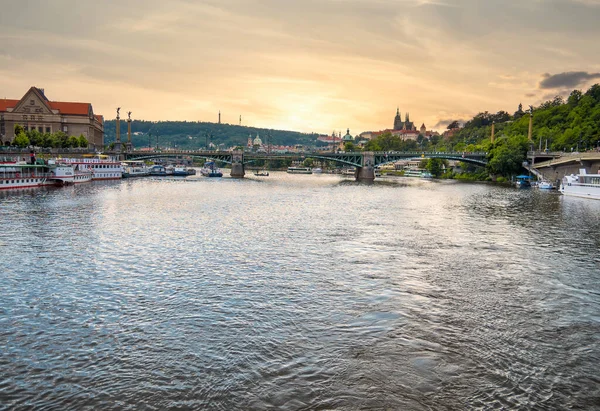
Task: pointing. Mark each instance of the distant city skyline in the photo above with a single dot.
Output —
(311, 66)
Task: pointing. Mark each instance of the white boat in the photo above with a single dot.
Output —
(21, 175)
(134, 169)
(545, 185)
(317, 170)
(581, 185)
(299, 170)
(102, 167)
(349, 171)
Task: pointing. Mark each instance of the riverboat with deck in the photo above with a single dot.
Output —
(22, 175)
(581, 185)
(102, 167)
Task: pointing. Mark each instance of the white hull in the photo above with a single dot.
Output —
(299, 170)
(582, 192)
(19, 183)
(82, 177)
(582, 185)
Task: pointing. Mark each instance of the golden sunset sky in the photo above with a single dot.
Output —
(310, 65)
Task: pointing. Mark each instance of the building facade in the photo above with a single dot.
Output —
(35, 112)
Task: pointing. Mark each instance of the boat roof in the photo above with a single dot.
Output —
(13, 165)
(523, 177)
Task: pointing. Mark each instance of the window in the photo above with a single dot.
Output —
(40, 129)
(65, 129)
(31, 102)
(48, 130)
(32, 117)
(25, 117)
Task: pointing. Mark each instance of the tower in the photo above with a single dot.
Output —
(398, 120)
(219, 116)
(240, 119)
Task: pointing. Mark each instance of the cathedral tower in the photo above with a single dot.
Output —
(398, 120)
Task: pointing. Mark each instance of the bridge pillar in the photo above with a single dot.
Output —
(237, 164)
(367, 171)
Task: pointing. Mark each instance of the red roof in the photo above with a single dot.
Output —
(4, 103)
(100, 118)
(71, 108)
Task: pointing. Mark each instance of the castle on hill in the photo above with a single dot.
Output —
(405, 129)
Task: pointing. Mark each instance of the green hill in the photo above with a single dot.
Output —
(194, 135)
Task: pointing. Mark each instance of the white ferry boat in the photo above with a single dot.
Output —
(21, 175)
(299, 170)
(581, 185)
(102, 167)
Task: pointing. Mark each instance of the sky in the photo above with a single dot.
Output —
(305, 65)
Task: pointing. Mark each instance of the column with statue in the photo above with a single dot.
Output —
(118, 139)
(129, 145)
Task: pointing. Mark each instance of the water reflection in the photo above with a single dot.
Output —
(298, 292)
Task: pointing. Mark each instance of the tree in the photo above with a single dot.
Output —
(507, 156)
(349, 146)
(454, 124)
(18, 129)
(73, 141)
(308, 162)
(21, 140)
(83, 142)
(435, 166)
(35, 137)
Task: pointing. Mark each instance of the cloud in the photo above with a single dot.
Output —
(445, 122)
(569, 79)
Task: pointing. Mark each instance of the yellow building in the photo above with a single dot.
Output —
(34, 111)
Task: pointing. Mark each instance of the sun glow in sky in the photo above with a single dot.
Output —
(311, 65)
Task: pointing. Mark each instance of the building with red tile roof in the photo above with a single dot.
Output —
(36, 112)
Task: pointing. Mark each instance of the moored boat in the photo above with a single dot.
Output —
(581, 185)
(21, 175)
(180, 171)
(102, 167)
(158, 170)
(545, 185)
(299, 170)
(523, 181)
(211, 170)
(135, 169)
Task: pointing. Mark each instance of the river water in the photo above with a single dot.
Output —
(298, 293)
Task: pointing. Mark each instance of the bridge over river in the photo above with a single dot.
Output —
(364, 161)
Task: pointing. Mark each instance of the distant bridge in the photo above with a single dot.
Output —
(364, 161)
